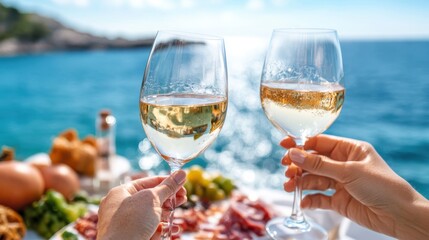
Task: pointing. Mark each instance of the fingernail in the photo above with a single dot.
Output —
(297, 156)
(284, 159)
(179, 176)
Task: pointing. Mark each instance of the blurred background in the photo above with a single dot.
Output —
(64, 60)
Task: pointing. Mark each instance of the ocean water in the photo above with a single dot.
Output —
(386, 104)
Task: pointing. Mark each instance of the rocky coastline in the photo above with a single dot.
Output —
(54, 36)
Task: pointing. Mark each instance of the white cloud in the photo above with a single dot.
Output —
(255, 4)
(136, 3)
(216, 1)
(227, 16)
(155, 4)
(279, 3)
(79, 3)
(187, 3)
(225, 21)
(150, 4)
(116, 3)
(161, 4)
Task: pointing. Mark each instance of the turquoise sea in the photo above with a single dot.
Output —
(386, 104)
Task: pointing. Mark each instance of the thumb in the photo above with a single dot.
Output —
(170, 185)
(318, 164)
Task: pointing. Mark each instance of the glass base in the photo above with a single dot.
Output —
(277, 230)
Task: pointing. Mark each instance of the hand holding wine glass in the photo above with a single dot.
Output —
(183, 97)
(367, 190)
(302, 93)
(127, 206)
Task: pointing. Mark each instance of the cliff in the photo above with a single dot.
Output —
(32, 33)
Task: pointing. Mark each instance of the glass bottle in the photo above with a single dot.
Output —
(105, 133)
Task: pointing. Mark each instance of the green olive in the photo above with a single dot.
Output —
(220, 195)
(218, 179)
(211, 191)
(228, 186)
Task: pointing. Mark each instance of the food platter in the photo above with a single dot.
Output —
(187, 235)
(212, 220)
(280, 201)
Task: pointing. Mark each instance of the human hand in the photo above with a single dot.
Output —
(367, 190)
(134, 210)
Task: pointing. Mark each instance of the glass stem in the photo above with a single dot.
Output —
(297, 220)
(166, 230)
(296, 214)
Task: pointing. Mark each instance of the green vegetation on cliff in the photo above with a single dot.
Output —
(14, 24)
(22, 33)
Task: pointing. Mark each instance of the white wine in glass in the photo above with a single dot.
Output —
(182, 125)
(302, 110)
(183, 98)
(302, 93)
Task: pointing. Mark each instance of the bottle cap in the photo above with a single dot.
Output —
(104, 122)
(105, 112)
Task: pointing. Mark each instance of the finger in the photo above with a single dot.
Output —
(328, 145)
(145, 183)
(317, 201)
(287, 143)
(286, 160)
(181, 192)
(321, 143)
(175, 231)
(170, 185)
(166, 212)
(318, 164)
(290, 172)
(315, 182)
(167, 206)
(293, 170)
(289, 186)
(311, 182)
(181, 197)
(139, 175)
(181, 200)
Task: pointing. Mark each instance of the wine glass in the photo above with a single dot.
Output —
(183, 98)
(302, 93)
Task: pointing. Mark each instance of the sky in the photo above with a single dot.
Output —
(354, 19)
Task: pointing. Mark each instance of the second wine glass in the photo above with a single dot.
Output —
(302, 93)
(183, 98)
